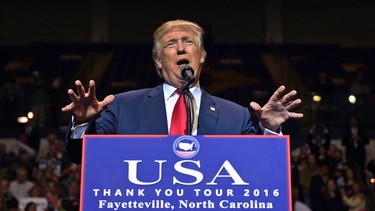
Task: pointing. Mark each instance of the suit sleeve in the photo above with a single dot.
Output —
(73, 146)
(73, 143)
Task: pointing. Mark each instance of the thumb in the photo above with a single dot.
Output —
(107, 100)
(256, 107)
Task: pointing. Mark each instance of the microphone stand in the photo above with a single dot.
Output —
(189, 100)
(190, 112)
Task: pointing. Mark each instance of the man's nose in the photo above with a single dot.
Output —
(180, 47)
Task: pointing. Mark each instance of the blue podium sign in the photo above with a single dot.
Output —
(185, 173)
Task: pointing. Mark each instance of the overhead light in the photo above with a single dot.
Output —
(317, 98)
(352, 99)
(22, 119)
(30, 115)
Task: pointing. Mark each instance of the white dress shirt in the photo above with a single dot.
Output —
(171, 97)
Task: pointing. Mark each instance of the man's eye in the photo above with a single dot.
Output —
(189, 42)
(170, 45)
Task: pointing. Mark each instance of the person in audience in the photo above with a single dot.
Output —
(303, 154)
(36, 191)
(338, 162)
(350, 178)
(322, 157)
(52, 140)
(295, 174)
(38, 176)
(21, 186)
(7, 200)
(54, 201)
(331, 198)
(316, 141)
(297, 204)
(331, 156)
(53, 186)
(363, 107)
(357, 200)
(21, 150)
(72, 196)
(307, 172)
(31, 206)
(360, 89)
(318, 182)
(355, 140)
(30, 134)
(331, 150)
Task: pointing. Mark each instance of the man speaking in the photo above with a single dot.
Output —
(179, 106)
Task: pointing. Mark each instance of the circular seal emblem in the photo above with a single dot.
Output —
(186, 146)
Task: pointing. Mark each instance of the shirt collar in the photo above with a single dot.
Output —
(169, 91)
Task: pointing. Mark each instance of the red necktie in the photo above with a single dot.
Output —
(179, 116)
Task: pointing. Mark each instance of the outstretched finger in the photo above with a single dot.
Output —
(72, 95)
(276, 95)
(288, 97)
(80, 88)
(92, 89)
(295, 115)
(293, 104)
(67, 107)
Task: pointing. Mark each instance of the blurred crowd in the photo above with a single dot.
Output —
(42, 176)
(329, 176)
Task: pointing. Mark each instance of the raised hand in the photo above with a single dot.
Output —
(85, 106)
(277, 110)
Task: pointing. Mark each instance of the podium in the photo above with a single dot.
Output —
(139, 172)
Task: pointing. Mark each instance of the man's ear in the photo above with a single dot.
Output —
(203, 56)
(158, 66)
(158, 63)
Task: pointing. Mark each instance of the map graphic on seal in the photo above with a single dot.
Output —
(186, 146)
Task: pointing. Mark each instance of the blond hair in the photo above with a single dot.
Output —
(159, 32)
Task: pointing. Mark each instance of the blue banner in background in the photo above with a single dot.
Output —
(185, 173)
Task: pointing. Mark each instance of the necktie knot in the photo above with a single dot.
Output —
(178, 91)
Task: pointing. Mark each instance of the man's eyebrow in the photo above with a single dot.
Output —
(172, 39)
(184, 37)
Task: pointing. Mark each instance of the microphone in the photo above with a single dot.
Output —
(187, 73)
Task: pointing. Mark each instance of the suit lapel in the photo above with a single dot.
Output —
(155, 110)
(208, 115)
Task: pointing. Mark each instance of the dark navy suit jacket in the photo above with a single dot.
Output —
(143, 112)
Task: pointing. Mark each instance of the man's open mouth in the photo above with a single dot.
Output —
(182, 62)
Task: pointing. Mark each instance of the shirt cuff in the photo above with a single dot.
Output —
(78, 131)
(270, 132)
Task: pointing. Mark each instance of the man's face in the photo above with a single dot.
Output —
(179, 48)
(4, 186)
(21, 176)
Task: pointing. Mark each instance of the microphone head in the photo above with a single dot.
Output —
(187, 73)
(185, 68)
